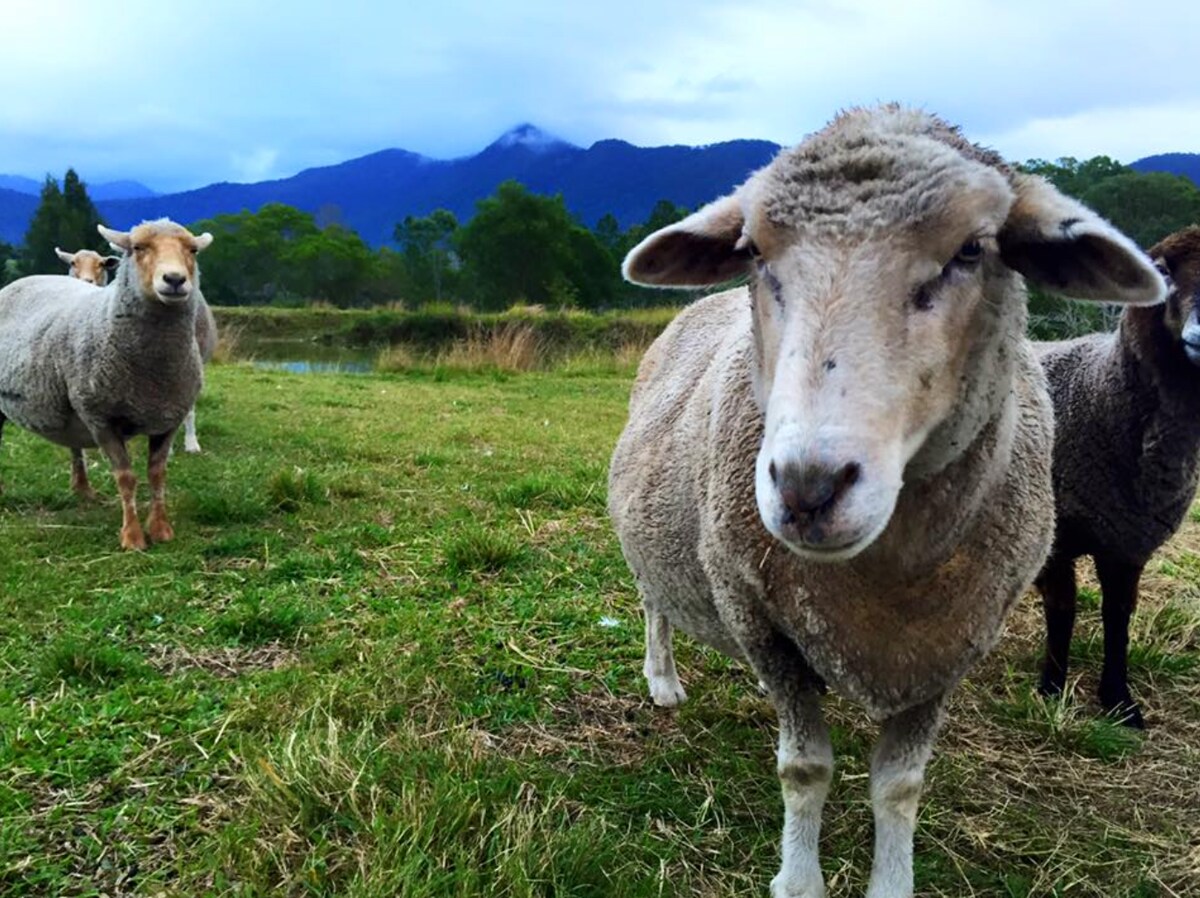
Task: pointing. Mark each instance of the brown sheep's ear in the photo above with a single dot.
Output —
(1064, 246)
(703, 249)
(69, 258)
(111, 262)
(116, 239)
(203, 241)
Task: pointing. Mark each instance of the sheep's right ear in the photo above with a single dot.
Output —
(119, 240)
(69, 258)
(203, 241)
(701, 250)
(111, 262)
(1065, 247)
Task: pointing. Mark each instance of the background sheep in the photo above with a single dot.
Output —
(1126, 461)
(90, 267)
(93, 268)
(842, 474)
(85, 368)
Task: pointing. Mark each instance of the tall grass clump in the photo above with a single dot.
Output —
(512, 347)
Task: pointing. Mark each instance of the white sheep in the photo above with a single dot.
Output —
(84, 367)
(93, 268)
(842, 473)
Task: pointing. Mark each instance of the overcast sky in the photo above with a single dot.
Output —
(178, 95)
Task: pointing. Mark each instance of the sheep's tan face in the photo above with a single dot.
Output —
(89, 267)
(164, 258)
(862, 344)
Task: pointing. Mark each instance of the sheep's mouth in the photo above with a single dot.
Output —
(1192, 351)
(173, 294)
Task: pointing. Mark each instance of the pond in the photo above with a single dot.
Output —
(307, 357)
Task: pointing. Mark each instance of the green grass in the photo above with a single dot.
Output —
(394, 650)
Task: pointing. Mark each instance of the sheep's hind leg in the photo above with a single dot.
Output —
(157, 525)
(79, 476)
(190, 442)
(1056, 583)
(659, 667)
(114, 447)
(1119, 585)
(3, 418)
(897, 775)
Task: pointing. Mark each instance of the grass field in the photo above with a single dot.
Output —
(394, 651)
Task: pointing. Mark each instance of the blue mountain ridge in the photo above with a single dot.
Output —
(372, 193)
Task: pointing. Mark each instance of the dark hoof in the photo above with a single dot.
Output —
(1051, 685)
(1127, 713)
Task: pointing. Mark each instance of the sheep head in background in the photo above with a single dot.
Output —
(884, 266)
(163, 256)
(871, 404)
(90, 267)
(1178, 260)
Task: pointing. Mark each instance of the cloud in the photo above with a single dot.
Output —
(178, 96)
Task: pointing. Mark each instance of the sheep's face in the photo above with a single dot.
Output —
(884, 299)
(163, 256)
(1177, 257)
(88, 266)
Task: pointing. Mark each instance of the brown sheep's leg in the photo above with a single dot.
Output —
(157, 525)
(79, 476)
(118, 456)
(1119, 582)
(1056, 583)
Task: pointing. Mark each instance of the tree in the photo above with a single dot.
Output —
(334, 265)
(523, 247)
(65, 218)
(1146, 206)
(247, 263)
(427, 247)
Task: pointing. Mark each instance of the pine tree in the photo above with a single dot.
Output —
(66, 218)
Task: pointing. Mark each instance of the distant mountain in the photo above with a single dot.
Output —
(372, 193)
(1186, 164)
(109, 190)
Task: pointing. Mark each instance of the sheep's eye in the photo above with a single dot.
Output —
(140, 248)
(969, 253)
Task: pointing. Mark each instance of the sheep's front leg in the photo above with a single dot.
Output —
(190, 443)
(114, 447)
(3, 418)
(157, 525)
(79, 476)
(897, 775)
(659, 667)
(804, 760)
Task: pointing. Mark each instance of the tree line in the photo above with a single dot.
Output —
(518, 247)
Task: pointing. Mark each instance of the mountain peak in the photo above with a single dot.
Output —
(531, 137)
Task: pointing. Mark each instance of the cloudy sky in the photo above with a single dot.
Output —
(179, 95)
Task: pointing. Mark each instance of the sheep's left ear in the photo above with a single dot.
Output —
(119, 240)
(1064, 246)
(111, 262)
(705, 248)
(203, 241)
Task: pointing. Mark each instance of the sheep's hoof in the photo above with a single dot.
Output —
(160, 530)
(1052, 685)
(782, 889)
(666, 692)
(1124, 710)
(132, 539)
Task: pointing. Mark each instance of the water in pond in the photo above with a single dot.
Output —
(307, 357)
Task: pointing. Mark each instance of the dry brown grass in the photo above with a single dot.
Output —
(511, 347)
(229, 340)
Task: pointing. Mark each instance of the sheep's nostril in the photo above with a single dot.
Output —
(773, 472)
(174, 279)
(810, 490)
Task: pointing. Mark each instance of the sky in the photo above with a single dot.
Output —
(178, 95)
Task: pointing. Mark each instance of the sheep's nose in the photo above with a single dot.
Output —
(174, 279)
(809, 489)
